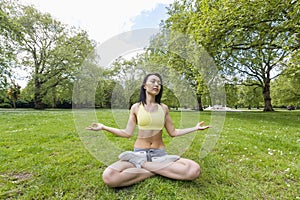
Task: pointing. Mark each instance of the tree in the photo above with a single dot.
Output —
(129, 76)
(231, 95)
(10, 34)
(247, 39)
(178, 52)
(14, 93)
(287, 87)
(51, 52)
(88, 83)
(249, 96)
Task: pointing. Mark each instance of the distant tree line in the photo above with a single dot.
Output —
(254, 44)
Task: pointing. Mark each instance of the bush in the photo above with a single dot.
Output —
(64, 104)
(24, 104)
(5, 105)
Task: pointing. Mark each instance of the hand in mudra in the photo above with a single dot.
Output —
(95, 127)
(200, 126)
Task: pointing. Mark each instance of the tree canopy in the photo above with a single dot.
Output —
(50, 51)
(250, 41)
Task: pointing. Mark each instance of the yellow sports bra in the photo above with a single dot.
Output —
(150, 120)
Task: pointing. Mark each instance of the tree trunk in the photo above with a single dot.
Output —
(14, 103)
(38, 103)
(199, 101)
(267, 97)
(53, 99)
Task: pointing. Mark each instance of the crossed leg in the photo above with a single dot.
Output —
(182, 169)
(123, 173)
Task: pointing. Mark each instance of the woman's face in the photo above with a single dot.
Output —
(153, 85)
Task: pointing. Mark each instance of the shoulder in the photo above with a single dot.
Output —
(165, 107)
(134, 108)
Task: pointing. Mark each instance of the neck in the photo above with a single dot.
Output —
(150, 99)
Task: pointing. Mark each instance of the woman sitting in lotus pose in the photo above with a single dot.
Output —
(149, 156)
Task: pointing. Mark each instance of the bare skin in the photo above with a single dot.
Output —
(122, 173)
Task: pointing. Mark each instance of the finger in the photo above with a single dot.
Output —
(201, 123)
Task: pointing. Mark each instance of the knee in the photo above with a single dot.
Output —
(193, 172)
(108, 178)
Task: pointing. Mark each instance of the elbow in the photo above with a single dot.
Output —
(173, 134)
(127, 136)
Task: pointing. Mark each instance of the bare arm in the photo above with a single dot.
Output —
(127, 132)
(178, 132)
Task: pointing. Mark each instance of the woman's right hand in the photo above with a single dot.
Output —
(95, 127)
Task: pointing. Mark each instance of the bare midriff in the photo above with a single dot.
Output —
(149, 139)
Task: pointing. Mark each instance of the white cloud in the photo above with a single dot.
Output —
(102, 19)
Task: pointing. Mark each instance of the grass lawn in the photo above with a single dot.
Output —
(42, 156)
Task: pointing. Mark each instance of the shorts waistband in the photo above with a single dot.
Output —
(152, 152)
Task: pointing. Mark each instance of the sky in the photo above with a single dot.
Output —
(105, 19)
(102, 19)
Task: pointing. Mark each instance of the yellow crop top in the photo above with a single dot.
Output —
(150, 120)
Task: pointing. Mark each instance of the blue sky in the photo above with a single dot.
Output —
(150, 18)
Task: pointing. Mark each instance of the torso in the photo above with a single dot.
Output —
(151, 142)
(148, 138)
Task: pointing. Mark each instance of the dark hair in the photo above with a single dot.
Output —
(143, 90)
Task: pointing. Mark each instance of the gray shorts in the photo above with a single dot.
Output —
(152, 152)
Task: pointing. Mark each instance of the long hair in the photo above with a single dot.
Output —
(142, 98)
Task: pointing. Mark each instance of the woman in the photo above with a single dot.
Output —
(149, 156)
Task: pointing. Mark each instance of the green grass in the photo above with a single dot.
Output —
(256, 157)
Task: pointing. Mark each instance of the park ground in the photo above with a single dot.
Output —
(256, 156)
